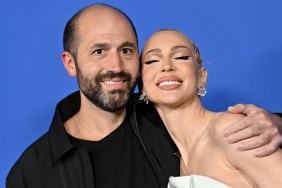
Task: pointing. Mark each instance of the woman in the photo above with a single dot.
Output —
(174, 80)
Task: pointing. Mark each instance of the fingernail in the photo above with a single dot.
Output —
(230, 107)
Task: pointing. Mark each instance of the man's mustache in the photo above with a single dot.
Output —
(111, 75)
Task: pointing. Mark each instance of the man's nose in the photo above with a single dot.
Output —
(116, 63)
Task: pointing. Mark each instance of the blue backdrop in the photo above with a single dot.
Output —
(240, 42)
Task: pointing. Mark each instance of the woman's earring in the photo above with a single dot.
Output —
(201, 91)
(144, 98)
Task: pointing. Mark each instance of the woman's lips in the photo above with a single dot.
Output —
(169, 82)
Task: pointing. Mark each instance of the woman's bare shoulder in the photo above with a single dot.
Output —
(221, 121)
(224, 119)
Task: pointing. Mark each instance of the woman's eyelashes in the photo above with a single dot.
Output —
(183, 57)
(150, 62)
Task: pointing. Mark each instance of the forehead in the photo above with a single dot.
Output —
(167, 39)
(105, 22)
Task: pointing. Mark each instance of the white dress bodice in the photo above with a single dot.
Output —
(195, 181)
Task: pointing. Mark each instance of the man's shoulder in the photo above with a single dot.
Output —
(34, 154)
(35, 149)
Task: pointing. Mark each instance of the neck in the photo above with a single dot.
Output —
(185, 124)
(92, 122)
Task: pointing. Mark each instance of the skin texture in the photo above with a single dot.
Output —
(106, 60)
(171, 75)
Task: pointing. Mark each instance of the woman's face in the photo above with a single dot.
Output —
(170, 71)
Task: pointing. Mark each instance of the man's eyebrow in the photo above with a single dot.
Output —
(129, 44)
(100, 45)
(107, 45)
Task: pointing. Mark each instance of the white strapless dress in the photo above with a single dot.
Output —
(195, 181)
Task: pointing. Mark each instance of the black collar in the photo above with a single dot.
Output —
(65, 109)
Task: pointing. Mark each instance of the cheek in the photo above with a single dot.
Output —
(136, 68)
(132, 68)
(148, 82)
(189, 71)
(147, 76)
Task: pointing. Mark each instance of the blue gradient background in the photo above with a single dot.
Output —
(240, 42)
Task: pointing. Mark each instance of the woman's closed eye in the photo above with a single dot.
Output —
(183, 57)
(151, 61)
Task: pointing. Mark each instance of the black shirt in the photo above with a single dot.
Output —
(53, 161)
(117, 153)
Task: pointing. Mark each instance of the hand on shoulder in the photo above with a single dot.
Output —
(220, 122)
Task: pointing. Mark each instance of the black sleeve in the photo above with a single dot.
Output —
(279, 114)
(8, 185)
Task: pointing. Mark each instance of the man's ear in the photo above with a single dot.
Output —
(69, 63)
(203, 76)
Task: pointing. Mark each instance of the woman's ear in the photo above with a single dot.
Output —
(69, 63)
(203, 76)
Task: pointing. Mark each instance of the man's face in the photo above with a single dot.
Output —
(106, 60)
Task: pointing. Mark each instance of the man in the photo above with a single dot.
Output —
(98, 139)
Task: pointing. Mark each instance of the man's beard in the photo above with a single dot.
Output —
(110, 101)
